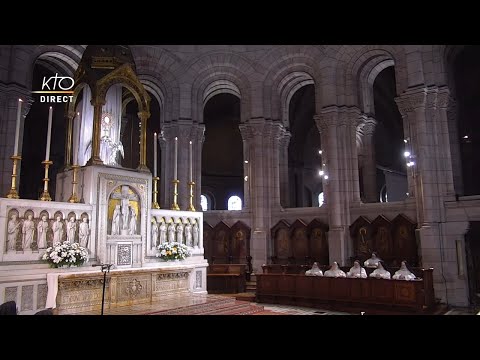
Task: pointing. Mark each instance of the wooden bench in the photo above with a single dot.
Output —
(316, 291)
(226, 278)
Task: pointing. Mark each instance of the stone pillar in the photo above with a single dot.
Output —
(247, 164)
(277, 134)
(197, 138)
(285, 137)
(185, 135)
(369, 172)
(327, 123)
(97, 127)
(353, 122)
(143, 116)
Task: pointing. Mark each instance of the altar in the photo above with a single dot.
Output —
(79, 291)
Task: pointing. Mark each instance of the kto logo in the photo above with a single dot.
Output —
(56, 85)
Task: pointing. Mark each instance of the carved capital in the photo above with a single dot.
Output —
(369, 126)
(277, 129)
(326, 119)
(245, 132)
(403, 105)
(431, 99)
(285, 137)
(443, 98)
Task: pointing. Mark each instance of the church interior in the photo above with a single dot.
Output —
(239, 179)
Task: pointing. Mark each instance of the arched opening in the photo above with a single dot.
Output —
(466, 70)
(304, 151)
(234, 203)
(222, 154)
(383, 170)
(321, 199)
(35, 140)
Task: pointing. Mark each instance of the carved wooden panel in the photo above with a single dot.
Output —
(299, 241)
(280, 234)
(207, 240)
(240, 243)
(382, 238)
(404, 240)
(361, 234)
(221, 239)
(317, 232)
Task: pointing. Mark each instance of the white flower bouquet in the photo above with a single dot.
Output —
(66, 254)
(173, 251)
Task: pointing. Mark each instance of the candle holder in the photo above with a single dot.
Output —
(155, 192)
(190, 205)
(45, 195)
(74, 198)
(13, 194)
(175, 194)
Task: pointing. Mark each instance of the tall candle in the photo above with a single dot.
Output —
(175, 159)
(191, 162)
(154, 154)
(17, 127)
(49, 134)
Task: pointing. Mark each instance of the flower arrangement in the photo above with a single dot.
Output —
(66, 254)
(173, 251)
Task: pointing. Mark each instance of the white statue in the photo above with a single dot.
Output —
(133, 222)
(125, 207)
(196, 235)
(13, 229)
(57, 230)
(84, 232)
(180, 232)
(380, 272)
(404, 273)
(171, 232)
(372, 262)
(42, 229)
(188, 234)
(335, 271)
(314, 271)
(116, 220)
(71, 229)
(154, 233)
(356, 271)
(28, 229)
(163, 232)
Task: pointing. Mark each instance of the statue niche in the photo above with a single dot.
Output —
(123, 211)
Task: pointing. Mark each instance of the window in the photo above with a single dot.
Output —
(320, 199)
(234, 203)
(204, 202)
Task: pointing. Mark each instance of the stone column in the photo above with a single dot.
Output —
(354, 120)
(185, 134)
(443, 101)
(143, 116)
(247, 164)
(327, 122)
(369, 172)
(277, 134)
(285, 137)
(97, 127)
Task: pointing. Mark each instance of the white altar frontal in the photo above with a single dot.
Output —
(123, 230)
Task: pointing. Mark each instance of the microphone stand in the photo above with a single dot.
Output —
(105, 269)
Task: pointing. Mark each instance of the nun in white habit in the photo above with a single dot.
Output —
(404, 273)
(335, 271)
(380, 272)
(314, 271)
(356, 271)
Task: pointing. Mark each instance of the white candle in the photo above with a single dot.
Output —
(17, 127)
(154, 154)
(175, 158)
(191, 162)
(49, 134)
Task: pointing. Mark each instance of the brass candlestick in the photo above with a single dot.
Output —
(74, 197)
(155, 192)
(175, 194)
(190, 206)
(45, 195)
(13, 194)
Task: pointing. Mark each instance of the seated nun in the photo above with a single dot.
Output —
(381, 271)
(335, 271)
(314, 271)
(356, 271)
(372, 262)
(403, 273)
